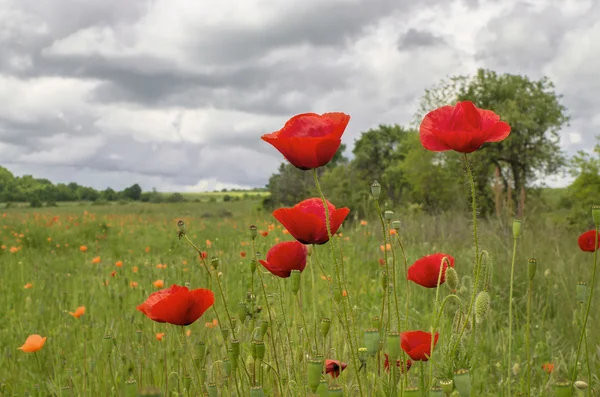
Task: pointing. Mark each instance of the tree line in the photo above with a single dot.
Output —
(419, 180)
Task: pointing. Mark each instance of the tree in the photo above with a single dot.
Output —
(532, 109)
(133, 192)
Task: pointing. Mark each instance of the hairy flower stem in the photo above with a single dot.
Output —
(254, 254)
(510, 297)
(287, 330)
(385, 258)
(406, 280)
(353, 350)
(587, 311)
(528, 338)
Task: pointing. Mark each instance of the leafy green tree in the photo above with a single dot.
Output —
(133, 192)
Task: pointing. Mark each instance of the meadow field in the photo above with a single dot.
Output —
(109, 259)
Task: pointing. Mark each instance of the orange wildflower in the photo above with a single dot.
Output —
(113, 273)
(147, 249)
(548, 367)
(96, 259)
(392, 232)
(363, 223)
(14, 250)
(212, 324)
(33, 343)
(387, 247)
(119, 263)
(160, 335)
(83, 248)
(243, 254)
(161, 266)
(80, 311)
(49, 239)
(188, 332)
(28, 285)
(135, 269)
(159, 283)
(133, 284)
(208, 243)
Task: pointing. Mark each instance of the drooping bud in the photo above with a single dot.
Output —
(482, 305)
(376, 189)
(452, 278)
(581, 292)
(396, 225)
(531, 268)
(516, 228)
(462, 382)
(214, 262)
(388, 215)
(253, 232)
(295, 276)
(596, 215)
(315, 368)
(392, 346)
(372, 341)
(325, 326)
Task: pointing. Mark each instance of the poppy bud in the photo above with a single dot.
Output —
(242, 311)
(482, 304)
(295, 276)
(384, 280)
(393, 345)
(323, 389)
(225, 333)
(201, 349)
(131, 388)
(181, 226)
(581, 385)
(388, 215)
(335, 391)
(214, 262)
(264, 325)
(376, 189)
(325, 326)
(253, 265)
(375, 323)
(315, 368)
(259, 349)
(562, 389)
(372, 341)
(516, 228)
(235, 347)
(452, 278)
(531, 267)
(362, 354)
(462, 382)
(447, 385)
(212, 390)
(337, 295)
(581, 292)
(253, 232)
(257, 391)
(596, 215)
(232, 359)
(396, 225)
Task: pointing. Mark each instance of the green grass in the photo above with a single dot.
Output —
(77, 360)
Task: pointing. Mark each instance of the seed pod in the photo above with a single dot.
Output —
(516, 228)
(323, 389)
(325, 326)
(372, 339)
(396, 226)
(315, 368)
(295, 276)
(581, 292)
(482, 305)
(253, 231)
(257, 391)
(376, 189)
(393, 346)
(452, 278)
(388, 215)
(447, 385)
(531, 268)
(214, 263)
(462, 382)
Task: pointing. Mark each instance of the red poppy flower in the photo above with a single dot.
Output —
(284, 257)
(417, 344)
(306, 220)
(463, 128)
(426, 270)
(334, 367)
(309, 140)
(386, 364)
(177, 305)
(587, 243)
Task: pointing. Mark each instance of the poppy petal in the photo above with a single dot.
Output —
(203, 299)
(173, 308)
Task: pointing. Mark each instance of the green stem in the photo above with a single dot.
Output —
(306, 327)
(387, 270)
(510, 296)
(528, 338)
(405, 279)
(587, 310)
(340, 286)
(422, 378)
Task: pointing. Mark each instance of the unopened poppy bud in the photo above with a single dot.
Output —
(252, 265)
(295, 276)
(314, 370)
(516, 228)
(372, 341)
(214, 263)
(396, 225)
(462, 382)
(337, 295)
(108, 344)
(581, 385)
(257, 391)
(392, 346)
(531, 268)
(447, 385)
(232, 359)
(482, 305)
(362, 354)
(242, 311)
(452, 278)
(375, 189)
(181, 226)
(225, 333)
(201, 349)
(235, 347)
(264, 325)
(581, 292)
(596, 215)
(253, 232)
(325, 326)
(375, 323)
(384, 280)
(388, 215)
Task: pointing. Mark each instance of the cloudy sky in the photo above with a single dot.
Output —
(174, 94)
